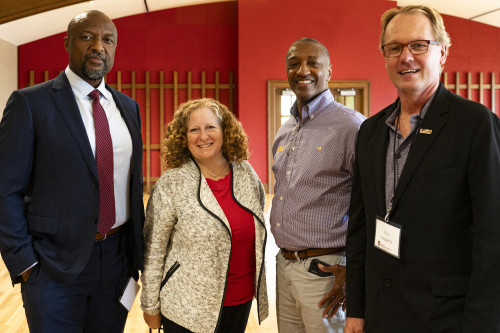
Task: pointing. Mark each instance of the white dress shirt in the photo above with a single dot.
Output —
(120, 136)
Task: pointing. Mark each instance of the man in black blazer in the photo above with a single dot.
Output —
(72, 270)
(423, 242)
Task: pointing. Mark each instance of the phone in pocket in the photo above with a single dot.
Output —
(313, 268)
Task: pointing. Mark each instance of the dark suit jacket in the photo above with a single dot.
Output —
(448, 203)
(49, 188)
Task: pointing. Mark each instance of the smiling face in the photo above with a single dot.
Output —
(416, 75)
(91, 45)
(308, 70)
(204, 136)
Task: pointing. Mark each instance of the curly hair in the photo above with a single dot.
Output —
(174, 146)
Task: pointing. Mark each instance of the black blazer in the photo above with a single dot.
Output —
(49, 188)
(448, 203)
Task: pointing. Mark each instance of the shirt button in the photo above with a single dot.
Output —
(398, 136)
(95, 185)
(388, 283)
(312, 116)
(288, 172)
(398, 155)
(277, 224)
(293, 148)
(281, 198)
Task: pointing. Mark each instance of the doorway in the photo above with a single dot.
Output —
(280, 98)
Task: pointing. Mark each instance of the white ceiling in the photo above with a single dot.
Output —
(38, 26)
(484, 11)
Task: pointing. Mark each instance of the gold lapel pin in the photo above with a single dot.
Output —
(425, 131)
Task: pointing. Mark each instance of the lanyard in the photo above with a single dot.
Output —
(395, 165)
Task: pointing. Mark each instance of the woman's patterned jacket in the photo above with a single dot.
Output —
(188, 245)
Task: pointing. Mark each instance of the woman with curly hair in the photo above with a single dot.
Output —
(204, 232)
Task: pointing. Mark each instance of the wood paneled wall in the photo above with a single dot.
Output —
(481, 87)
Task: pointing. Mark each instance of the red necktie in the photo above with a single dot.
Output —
(104, 159)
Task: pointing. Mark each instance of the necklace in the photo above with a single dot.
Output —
(210, 173)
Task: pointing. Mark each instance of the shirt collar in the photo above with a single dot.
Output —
(390, 121)
(312, 108)
(81, 88)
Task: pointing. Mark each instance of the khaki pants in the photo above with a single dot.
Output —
(298, 293)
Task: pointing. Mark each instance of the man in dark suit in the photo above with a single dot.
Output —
(423, 249)
(71, 189)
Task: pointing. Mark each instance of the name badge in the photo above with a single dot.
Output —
(387, 237)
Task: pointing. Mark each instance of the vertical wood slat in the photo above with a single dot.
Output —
(119, 81)
(445, 80)
(481, 87)
(493, 92)
(162, 113)
(190, 87)
(148, 134)
(457, 83)
(217, 86)
(45, 76)
(231, 91)
(32, 78)
(176, 91)
(469, 85)
(133, 84)
(203, 85)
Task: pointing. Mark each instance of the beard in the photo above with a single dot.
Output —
(94, 74)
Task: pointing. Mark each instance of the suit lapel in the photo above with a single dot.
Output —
(380, 151)
(65, 101)
(433, 121)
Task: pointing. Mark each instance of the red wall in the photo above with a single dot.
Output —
(251, 37)
(350, 30)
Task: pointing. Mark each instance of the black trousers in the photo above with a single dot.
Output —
(234, 320)
(88, 304)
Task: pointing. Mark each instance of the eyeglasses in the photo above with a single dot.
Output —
(394, 50)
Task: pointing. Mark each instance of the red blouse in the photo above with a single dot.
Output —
(240, 281)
